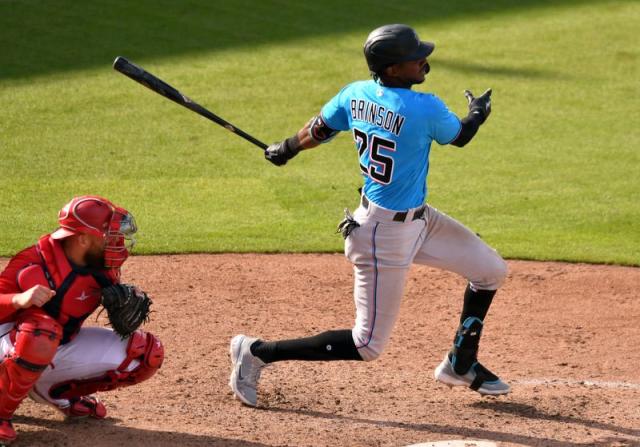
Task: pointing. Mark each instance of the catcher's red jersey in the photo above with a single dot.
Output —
(77, 288)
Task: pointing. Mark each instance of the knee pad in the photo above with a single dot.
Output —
(148, 350)
(36, 339)
(142, 347)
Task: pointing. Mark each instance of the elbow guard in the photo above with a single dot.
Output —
(319, 131)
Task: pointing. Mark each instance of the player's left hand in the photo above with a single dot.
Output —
(481, 105)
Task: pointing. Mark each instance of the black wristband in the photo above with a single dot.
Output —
(292, 146)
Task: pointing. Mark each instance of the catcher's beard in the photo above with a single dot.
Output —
(94, 258)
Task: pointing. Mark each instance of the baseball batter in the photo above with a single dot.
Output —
(46, 293)
(393, 128)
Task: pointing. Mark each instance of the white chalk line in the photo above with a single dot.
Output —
(456, 443)
(617, 385)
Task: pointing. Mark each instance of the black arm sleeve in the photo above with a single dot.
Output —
(470, 125)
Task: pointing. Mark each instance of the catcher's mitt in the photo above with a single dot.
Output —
(127, 307)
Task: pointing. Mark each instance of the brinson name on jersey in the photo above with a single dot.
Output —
(376, 114)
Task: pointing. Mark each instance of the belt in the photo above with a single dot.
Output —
(400, 216)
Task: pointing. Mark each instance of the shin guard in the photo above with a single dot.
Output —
(465, 345)
(143, 347)
(37, 337)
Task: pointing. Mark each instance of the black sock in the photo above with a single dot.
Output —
(330, 345)
(476, 303)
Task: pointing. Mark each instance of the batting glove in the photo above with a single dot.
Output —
(280, 153)
(480, 106)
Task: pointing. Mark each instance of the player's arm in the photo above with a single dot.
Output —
(479, 110)
(312, 134)
(22, 284)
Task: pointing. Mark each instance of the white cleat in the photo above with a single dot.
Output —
(478, 378)
(245, 370)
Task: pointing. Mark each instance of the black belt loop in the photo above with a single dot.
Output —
(400, 216)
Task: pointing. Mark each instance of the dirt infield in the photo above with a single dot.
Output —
(565, 336)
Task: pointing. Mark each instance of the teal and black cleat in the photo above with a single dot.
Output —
(478, 378)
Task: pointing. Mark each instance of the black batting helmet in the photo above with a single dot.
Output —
(391, 44)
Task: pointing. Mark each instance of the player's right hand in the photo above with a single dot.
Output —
(280, 153)
(38, 296)
(481, 105)
(276, 154)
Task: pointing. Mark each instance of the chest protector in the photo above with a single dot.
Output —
(78, 289)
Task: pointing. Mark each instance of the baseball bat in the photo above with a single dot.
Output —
(156, 84)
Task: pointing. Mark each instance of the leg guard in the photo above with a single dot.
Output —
(465, 345)
(145, 348)
(37, 337)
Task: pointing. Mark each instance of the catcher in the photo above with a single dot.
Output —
(47, 291)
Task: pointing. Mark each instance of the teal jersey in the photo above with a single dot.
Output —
(393, 129)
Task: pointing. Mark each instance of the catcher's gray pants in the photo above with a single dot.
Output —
(382, 250)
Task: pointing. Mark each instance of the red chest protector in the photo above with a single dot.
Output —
(77, 288)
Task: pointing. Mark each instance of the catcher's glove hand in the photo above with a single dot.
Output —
(127, 307)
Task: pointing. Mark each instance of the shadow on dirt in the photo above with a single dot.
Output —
(106, 433)
(469, 432)
(531, 412)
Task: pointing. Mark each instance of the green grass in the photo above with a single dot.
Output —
(552, 175)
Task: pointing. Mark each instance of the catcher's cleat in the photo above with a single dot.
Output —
(7, 433)
(245, 370)
(478, 378)
(85, 406)
(78, 407)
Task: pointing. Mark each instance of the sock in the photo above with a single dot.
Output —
(476, 303)
(327, 346)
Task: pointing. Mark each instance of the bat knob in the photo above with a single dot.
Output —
(119, 62)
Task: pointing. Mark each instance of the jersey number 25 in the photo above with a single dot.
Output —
(380, 167)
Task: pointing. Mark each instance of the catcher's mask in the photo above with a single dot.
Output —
(100, 217)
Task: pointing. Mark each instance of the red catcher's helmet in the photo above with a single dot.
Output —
(100, 217)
